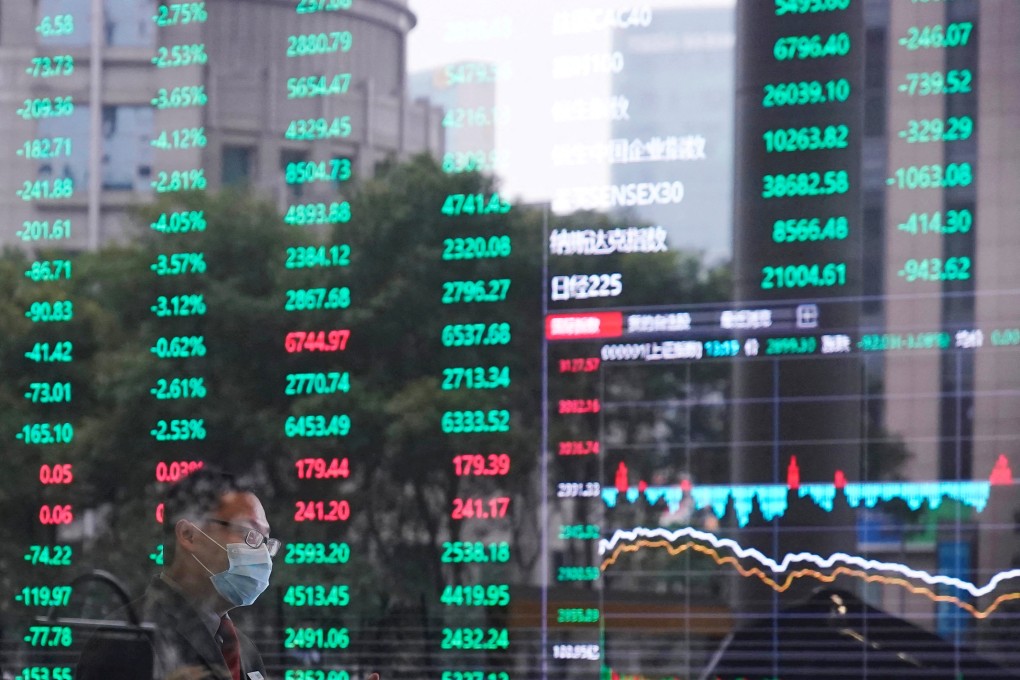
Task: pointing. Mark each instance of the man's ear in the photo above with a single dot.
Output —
(186, 535)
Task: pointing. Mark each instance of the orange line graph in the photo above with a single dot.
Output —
(780, 587)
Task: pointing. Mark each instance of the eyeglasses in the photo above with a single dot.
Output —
(252, 538)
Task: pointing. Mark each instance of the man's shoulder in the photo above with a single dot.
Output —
(121, 647)
(162, 603)
(132, 637)
(159, 631)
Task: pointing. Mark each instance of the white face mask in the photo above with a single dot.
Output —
(247, 575)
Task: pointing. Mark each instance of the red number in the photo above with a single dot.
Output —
(56, 514)
(316, 341)
(579, 448)
(61, 473)
(493, 464)
(569, 406)
(320, 468)
(319, 511)
(580, 365)
(176, 470)
(479, 508)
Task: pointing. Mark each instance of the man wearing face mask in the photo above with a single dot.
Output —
(219, 556)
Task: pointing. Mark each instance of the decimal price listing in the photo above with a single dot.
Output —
(319, 267)
(572, 403)
(809, 141)
(179, 389)
(474, 343)
(44, 416)
(935, 221)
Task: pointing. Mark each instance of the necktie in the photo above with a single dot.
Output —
(230, 646)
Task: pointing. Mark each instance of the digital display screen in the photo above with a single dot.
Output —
(590, 339)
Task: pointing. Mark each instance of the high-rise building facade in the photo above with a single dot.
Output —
(246, 69)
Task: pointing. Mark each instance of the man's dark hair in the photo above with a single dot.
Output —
(193, 497)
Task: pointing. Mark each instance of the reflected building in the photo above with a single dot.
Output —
(249, 59)
(678, 86)
(469, 112)
(929, 395)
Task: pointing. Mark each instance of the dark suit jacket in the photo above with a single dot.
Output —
(179, 642)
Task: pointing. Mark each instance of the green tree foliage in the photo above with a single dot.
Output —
(402, 477)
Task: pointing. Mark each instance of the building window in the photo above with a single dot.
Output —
(126, 163)
(238, 165)
(127, 148)
(128, 23)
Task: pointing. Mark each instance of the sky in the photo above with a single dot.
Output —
(523, 37)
